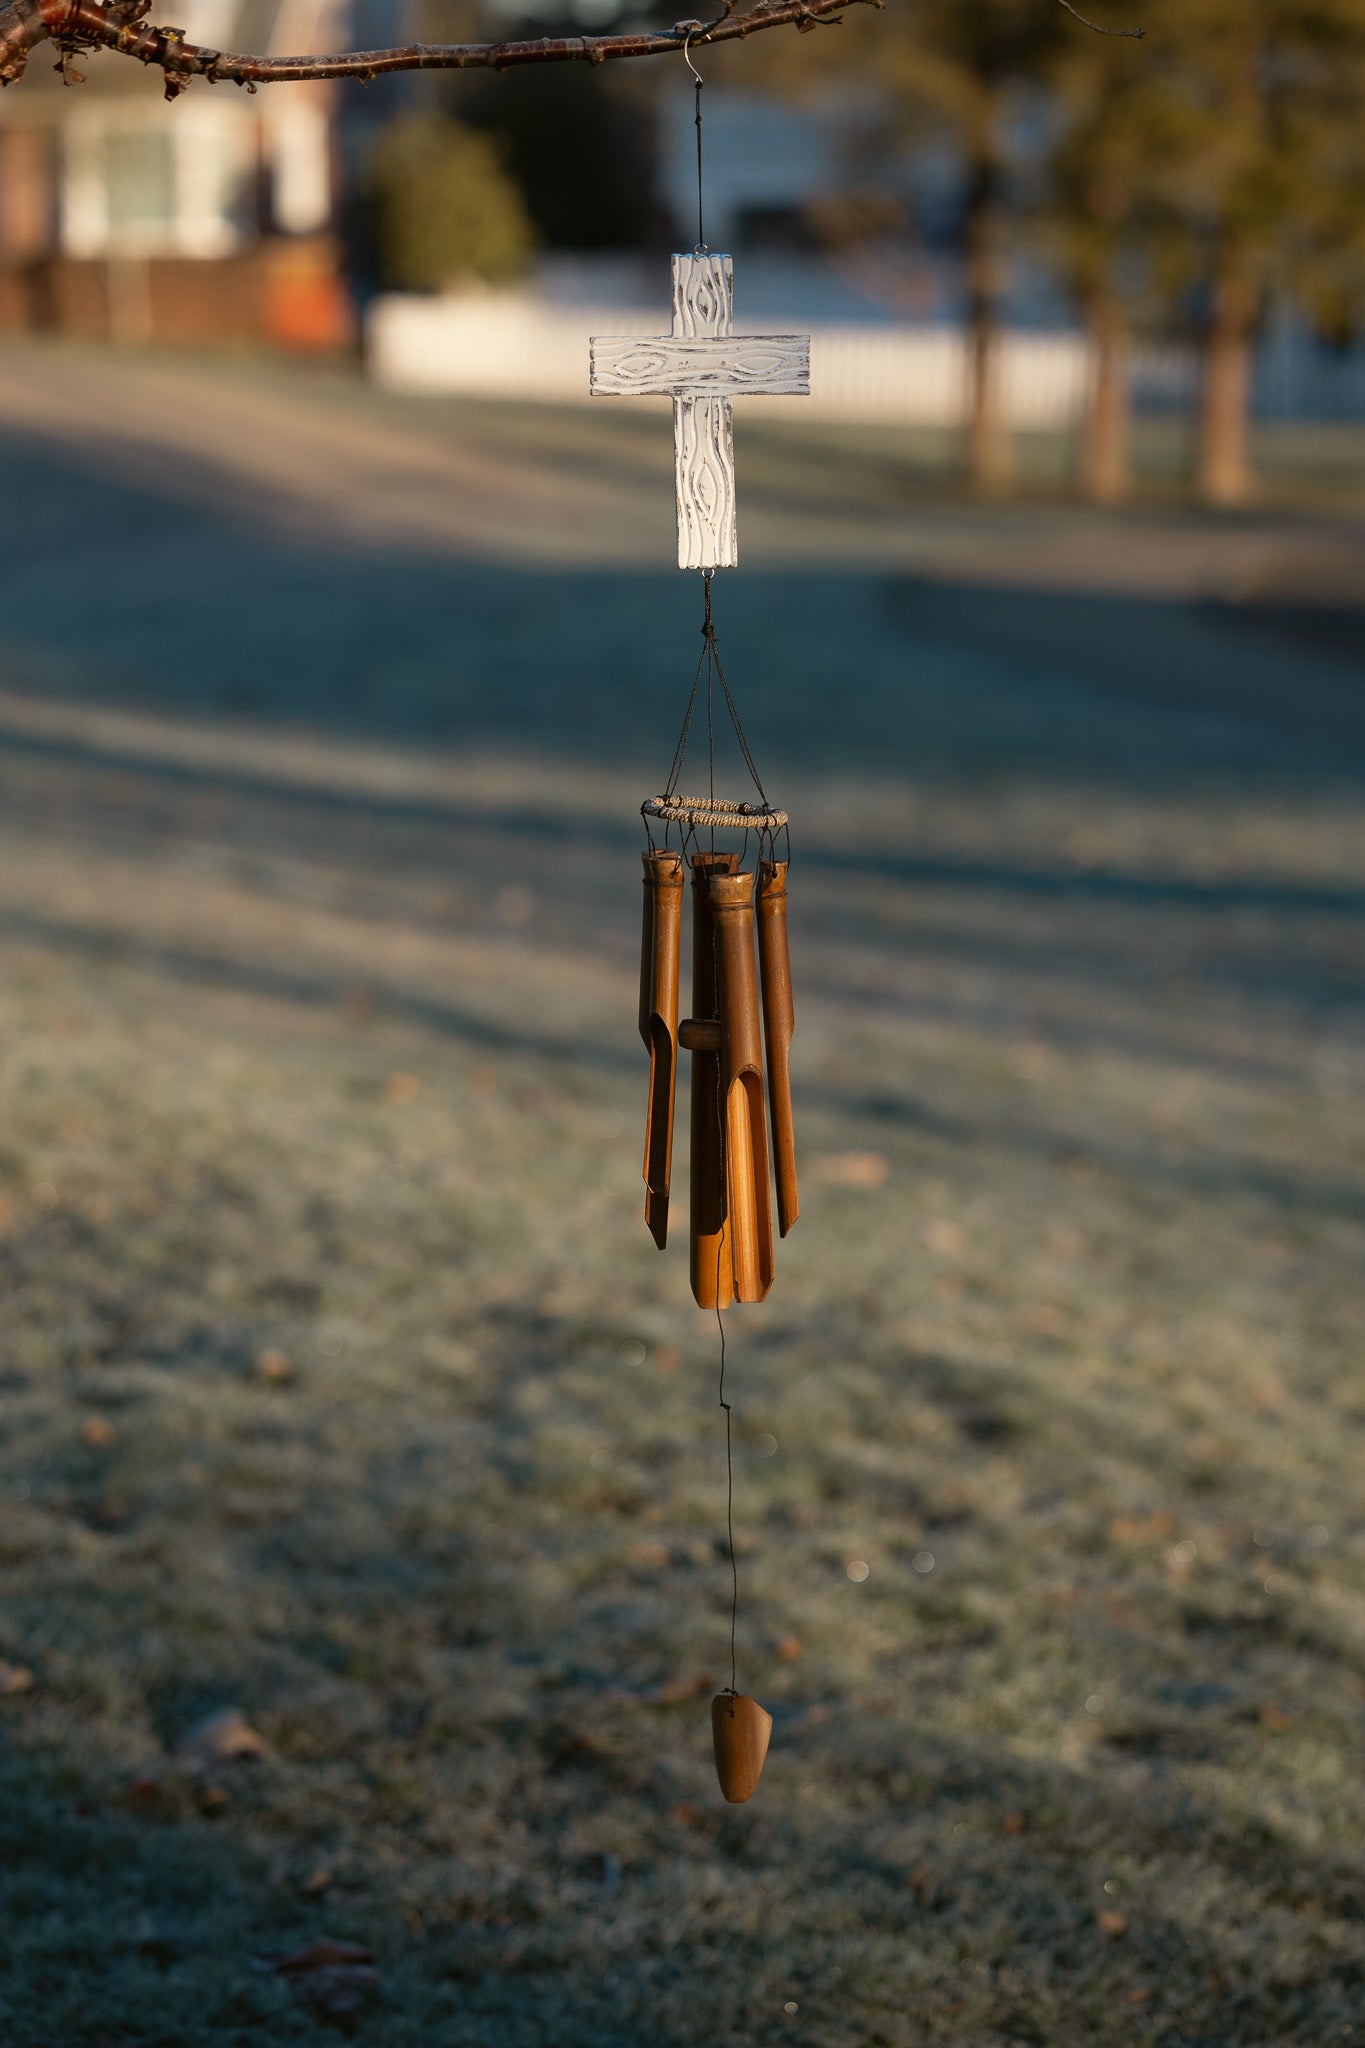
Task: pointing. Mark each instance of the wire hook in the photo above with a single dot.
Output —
(688, 29)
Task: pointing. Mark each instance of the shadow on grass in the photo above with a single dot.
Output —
(205, 598)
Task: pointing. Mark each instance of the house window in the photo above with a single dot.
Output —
(139, 182)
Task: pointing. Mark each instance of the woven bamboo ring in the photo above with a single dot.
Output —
(713, 812)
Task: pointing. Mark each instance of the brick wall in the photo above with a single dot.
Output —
(286, 292)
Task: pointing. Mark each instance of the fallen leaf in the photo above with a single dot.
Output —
(1137, 1994)
(14, 1678)
(568, 1747)
(226, 1737)
(1141, 1528)
(1274, 1719)
(849, 1169)
(323, 1954)
(401, 1087)
(1013, 1824)
(667, 1358)
(789, 1648)
(686, 1815)
(99, 1432)
(338, 1994)
(274, 1365)
(948, 1239)
(677, 1690)
(317, 1882)
(1113, 1924)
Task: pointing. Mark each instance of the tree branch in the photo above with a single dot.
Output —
(23, 25)
(119, 25)
(1136, 33)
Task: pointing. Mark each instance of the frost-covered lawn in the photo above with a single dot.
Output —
(342, 1386)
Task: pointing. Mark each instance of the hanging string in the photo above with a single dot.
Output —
(709, 638)
(729, 1471)
(710, 665)
(698, 82)
(720, 1325)
(709, 631)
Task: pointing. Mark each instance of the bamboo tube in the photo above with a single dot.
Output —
(660, 951)
(779, 1021)
(748, 1190)
(713, 1266)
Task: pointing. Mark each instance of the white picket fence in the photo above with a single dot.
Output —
(511, 345)
(516, 345)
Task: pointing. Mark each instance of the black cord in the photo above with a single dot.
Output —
(709, 636)
(714, 661)
(701, 225)
(729, 1476)
(721, 1152)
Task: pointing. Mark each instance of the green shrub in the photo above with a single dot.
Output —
(445, 210)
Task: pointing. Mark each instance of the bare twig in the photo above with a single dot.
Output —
(1100, 30)
(121, 26)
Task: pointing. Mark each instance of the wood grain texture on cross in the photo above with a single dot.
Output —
(702, 365)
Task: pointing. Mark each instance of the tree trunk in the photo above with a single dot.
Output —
(1105, 472)
(990, 453)
(1223, 468)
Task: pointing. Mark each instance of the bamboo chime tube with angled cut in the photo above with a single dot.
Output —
(778, 1024)
(748, 1188)
(713, 1284)
(660, 952)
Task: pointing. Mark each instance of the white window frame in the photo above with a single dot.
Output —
(213, 148)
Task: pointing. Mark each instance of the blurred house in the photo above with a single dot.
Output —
(209, 220)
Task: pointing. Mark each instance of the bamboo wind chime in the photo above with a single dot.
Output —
(730, 1030)
(739, 1034)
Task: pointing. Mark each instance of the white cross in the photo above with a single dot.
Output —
(701, 366)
